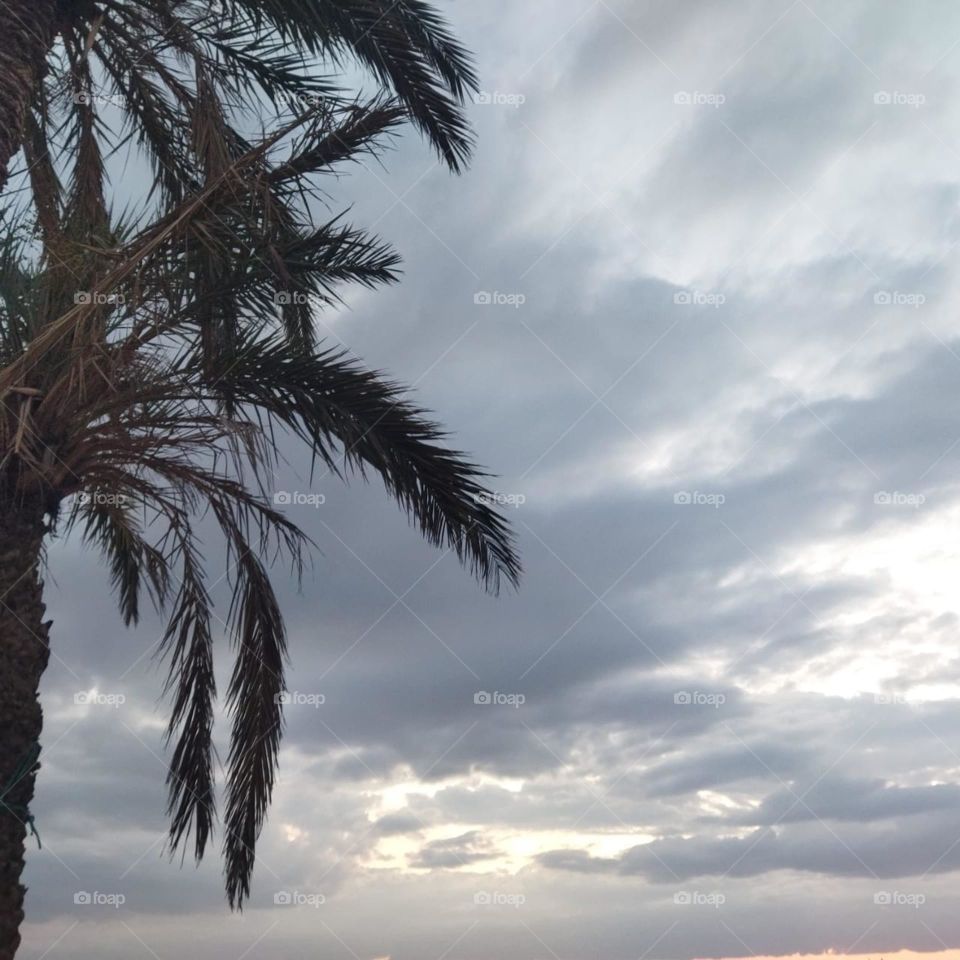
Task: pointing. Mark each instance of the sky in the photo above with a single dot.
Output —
(694, 306)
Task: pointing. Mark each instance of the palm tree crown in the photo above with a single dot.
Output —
(175, 64)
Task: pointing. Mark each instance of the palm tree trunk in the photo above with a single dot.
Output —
(27, 31)
(24, 652)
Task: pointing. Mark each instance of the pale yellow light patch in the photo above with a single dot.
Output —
(522, 848)
(293, 833)
(510, 784)
(395, 797)
(718, 804)
(514, 850)
(393, 853)
(707, 668)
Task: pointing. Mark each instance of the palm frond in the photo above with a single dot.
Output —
(332, 404)
(255, 698)
(189, 643)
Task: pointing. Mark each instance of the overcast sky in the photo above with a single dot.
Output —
(695, 305)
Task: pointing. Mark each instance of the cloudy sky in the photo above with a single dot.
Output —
(695, 305)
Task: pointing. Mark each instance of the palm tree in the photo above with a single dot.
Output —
(233, 47)
(149, 361)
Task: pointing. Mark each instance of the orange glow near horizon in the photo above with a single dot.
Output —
(950, 954)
